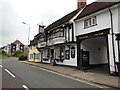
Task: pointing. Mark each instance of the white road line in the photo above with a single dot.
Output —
(1, 66)
(24, 86)
(10, 73)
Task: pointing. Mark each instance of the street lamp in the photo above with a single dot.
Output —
(28, 32)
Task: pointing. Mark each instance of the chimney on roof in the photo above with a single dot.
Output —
(41, 28)
(81, 3)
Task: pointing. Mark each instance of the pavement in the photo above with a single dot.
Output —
(94, 77)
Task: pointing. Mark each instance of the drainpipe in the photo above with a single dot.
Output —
(112, 37)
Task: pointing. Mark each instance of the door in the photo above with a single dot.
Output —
(52, 54)
(85, 59)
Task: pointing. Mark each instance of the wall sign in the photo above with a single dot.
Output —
(95, 34)
(73, 52)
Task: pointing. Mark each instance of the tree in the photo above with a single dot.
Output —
(18, 52)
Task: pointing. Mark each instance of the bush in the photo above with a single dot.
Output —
(22, 57)
(3, 52)
(17, 53)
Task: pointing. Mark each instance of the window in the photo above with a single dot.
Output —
(73, 52)
(56, 33)
(42, 38)
(36, 56)
(13, 50)
(31, 56)
(45, 54)
(13, 46)
(90, 22)
(30, 47)
(61, 32)
(67, 54)
(21, 47)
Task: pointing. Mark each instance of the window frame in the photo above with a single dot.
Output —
(89, 22)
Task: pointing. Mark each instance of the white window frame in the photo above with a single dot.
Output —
(89, 22)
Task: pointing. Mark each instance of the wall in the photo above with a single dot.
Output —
(71, 61)
(97, 48)
(103, 22)
(32, 51)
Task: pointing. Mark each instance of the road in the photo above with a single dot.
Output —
(19, 75)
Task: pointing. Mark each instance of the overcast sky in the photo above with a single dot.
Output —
(14, 12)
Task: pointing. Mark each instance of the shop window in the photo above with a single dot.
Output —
(67, 54)
(72, 52)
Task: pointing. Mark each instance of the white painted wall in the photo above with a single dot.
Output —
(92, 45)
(59, 40)
(103, 21)
(71, 61)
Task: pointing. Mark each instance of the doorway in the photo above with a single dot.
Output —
(52, 54)
(94, 54)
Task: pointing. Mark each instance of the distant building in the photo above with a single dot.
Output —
(14, 46)
(17, 45)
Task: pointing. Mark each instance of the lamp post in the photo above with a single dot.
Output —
(28, 32)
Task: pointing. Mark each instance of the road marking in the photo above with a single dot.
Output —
(10, 73)
(1, 66)
(24, 86)
(72, 78)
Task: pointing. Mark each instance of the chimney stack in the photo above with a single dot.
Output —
(81, 3)
(41, 28)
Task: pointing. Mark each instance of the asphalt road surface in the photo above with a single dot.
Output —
(19, 75)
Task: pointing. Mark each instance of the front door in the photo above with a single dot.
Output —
(52, 54)
(85, 59)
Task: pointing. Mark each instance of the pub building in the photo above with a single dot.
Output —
(97, 46)
(59, 43)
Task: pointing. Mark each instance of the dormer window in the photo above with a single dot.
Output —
(90, 22)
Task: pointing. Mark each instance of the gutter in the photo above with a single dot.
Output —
(113, 44)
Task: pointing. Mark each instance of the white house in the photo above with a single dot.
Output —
(95, 29)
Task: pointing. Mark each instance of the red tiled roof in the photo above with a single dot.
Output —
(95, 7)
(17, 41)
(64, 19)
(33, 42)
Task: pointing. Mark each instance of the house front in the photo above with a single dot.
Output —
(34, 54)
(96, 27)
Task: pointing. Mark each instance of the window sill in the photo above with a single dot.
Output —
(90, 26)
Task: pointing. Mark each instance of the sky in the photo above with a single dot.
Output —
(32, 12)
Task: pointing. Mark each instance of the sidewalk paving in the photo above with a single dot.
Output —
(99, 78)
